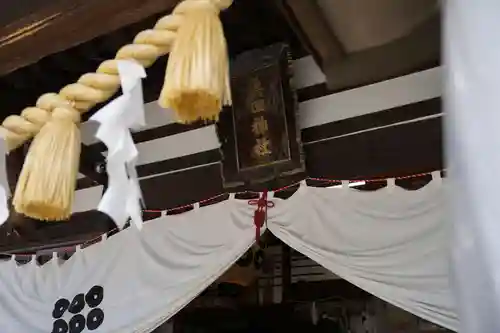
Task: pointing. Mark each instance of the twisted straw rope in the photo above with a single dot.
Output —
(98, 87)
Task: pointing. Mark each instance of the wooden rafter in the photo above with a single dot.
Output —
(66, 23)
(309, 24)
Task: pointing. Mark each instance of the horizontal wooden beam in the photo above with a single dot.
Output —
(63, 24)
(92, 165)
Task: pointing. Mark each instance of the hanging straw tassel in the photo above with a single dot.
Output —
(46, 185)
(197, 77)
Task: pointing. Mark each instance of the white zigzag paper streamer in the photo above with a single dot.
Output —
(123, 197)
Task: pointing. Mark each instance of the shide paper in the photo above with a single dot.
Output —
(122, 198)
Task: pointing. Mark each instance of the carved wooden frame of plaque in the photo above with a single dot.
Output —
(234, 131)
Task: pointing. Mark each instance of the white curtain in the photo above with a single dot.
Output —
(472, 126)
(146, 276)
(393, 243)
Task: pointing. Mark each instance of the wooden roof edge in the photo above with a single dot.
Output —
(65, 24)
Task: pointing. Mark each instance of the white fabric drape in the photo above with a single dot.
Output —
(146, 275)
(472, 107)
(393, 243)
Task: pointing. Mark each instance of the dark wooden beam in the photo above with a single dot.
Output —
(59, 25)
(307, 21)
(92, 165)
(20, 11)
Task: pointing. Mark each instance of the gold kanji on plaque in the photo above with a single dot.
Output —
(258, 106)
(262, 147)
(256, 85)
(260, 126)
(255, 97)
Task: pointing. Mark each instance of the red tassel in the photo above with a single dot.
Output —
(258, 219)
(260, 215)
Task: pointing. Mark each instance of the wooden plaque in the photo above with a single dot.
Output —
(259, 137)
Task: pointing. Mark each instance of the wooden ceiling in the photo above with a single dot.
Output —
(362, 41)
(42, 48)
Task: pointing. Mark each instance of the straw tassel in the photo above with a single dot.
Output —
(197, 76)
(46, 185)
